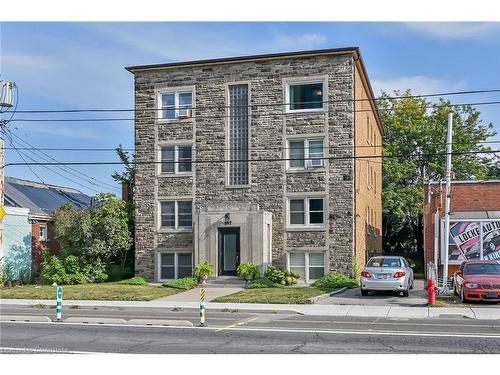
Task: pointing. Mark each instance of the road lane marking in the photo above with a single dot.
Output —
(279, 330)
(237, 324)
(439, 324)
(46, 350)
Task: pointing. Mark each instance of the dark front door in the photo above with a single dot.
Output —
(229, 251)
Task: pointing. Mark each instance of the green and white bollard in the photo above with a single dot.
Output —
(59, 303)
(202, 308)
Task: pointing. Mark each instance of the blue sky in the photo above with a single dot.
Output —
(81, 65)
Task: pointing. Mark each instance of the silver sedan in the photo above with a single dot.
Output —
(389, 273)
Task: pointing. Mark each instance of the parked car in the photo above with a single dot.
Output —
(478, 280)
(389, 273)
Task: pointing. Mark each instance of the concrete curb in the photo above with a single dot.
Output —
(93, 320)
(24, 318)
(326, 295)
(338, 291)
(160, 322)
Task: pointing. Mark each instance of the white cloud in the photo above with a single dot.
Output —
(28, 61)
(85, 132)
(301, 41)
(418, 85)
(454, 30)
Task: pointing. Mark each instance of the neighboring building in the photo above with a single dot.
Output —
(16, 247)
(40, 200)
(201, 193)
(474, 222)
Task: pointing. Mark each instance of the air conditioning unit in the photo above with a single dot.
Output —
(6, 94)
(184, 113)
(316, 162)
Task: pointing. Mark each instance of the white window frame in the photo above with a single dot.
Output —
(176, 228)
(307, 161)
(176, 262)
(307, 224)
(176, 93)
(45, 236)
(176, 146)
(306, 253)
(297, 82)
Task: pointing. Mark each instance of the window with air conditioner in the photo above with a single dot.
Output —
(304, 154)
(175, 105)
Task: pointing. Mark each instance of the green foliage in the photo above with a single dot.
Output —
(248, 271)
(134, 281)
(7, 273)
(184, 283)
(203, 270)
(62, 272)
(263, 282)
(278, 276)
(335, 280)
(417, 126)
(97, 272)
(98, 235)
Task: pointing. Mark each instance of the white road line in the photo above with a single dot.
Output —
(47, 350)
(287, 330)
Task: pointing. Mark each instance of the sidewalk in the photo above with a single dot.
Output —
(396, 312)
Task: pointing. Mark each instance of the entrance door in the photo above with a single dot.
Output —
(229, 251)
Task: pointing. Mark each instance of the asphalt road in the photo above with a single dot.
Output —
(249, 332)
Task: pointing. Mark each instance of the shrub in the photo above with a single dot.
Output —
(203, 270)
(53, 270)
(96, 271)
(248, 271)
(278, 276)
(7, 273)
(146, 278)
(138, 280)
(263, 282)
(185, 283)
(335, 280)
(70, 271)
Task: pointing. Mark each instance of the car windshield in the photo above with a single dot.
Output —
(482, 269)
(384, 262)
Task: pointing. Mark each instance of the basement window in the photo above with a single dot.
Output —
(309, 265)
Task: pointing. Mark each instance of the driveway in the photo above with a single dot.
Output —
(418, 297)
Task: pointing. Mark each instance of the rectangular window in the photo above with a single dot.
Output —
(176, 104)
(310, 266)
(176, 159)
(306, 212)
(43, 233)
(175, 265)
(238, 135)
(305, 154)
(176, 214)
(305, 96)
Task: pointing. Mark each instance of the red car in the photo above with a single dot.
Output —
(478, 280)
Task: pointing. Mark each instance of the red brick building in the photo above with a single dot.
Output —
(474, 222)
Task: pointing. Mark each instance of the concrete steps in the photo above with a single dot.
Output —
(224, 282)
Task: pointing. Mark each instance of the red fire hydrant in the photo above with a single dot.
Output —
(431, 291)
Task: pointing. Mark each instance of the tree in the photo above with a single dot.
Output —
(416, 126)
(126, 178)
(98, 235)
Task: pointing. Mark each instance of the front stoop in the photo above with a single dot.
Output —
(224, 282)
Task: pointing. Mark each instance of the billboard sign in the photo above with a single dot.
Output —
(474, 240)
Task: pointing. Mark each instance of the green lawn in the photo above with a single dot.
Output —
(101, 291)
(292, 295)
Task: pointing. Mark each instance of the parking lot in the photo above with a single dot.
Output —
(418, 297)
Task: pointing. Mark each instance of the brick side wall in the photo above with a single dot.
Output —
(269, 128)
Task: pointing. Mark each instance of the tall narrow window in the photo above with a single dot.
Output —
(238, 135)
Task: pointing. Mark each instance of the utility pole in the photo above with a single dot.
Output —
(446, 233)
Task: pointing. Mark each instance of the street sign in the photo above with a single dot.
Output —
(2, 213)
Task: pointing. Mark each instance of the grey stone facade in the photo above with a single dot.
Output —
(270, 127)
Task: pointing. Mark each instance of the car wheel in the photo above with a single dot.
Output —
(462, 296)
(364, 293)
(406, 293)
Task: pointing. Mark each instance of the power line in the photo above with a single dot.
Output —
(267, 104)
(419, 155)
(253, 115)
(78, 174)
(263, 148)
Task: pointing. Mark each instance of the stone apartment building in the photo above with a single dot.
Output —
(269, 159)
